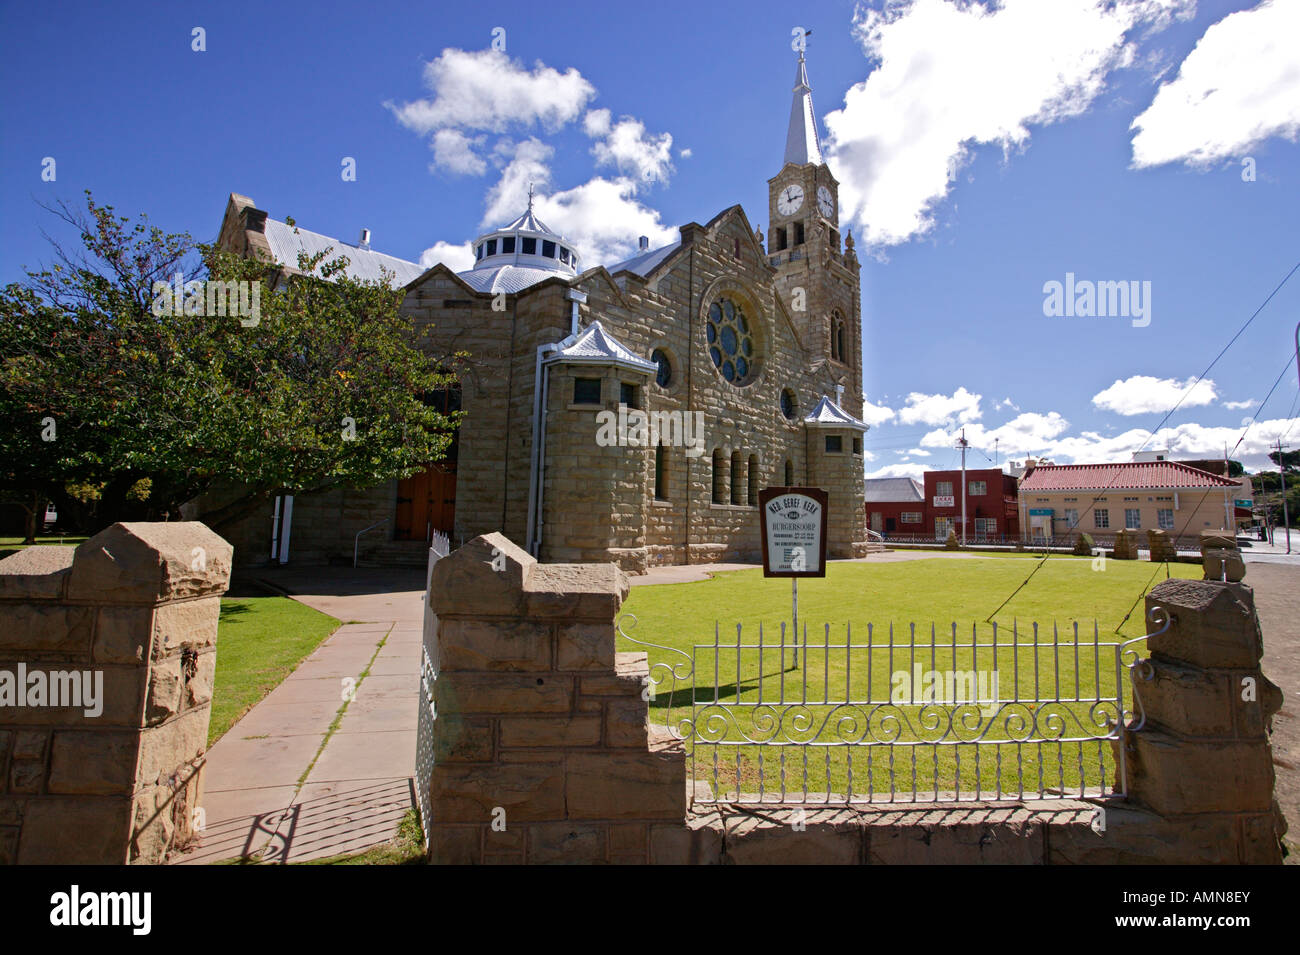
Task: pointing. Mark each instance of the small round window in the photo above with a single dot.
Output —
(731, 346)
(787, 403)
(663, 367)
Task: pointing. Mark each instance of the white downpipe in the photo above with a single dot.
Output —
(541, 389)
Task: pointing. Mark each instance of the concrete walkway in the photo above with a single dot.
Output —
(279, 784)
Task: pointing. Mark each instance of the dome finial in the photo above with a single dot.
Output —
(530, 197)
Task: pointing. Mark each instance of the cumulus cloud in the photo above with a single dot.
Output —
(1190, 440)
(921, 408)
(685, 153)
(1239, 405)
(459, 257)
(455, 152)
(628, 147)
(1006, 403)
(523, 164)
(1239, 86)
(876, 414)
(951, 77)
(1026, 433)
(485, 90)
(604, 219)
(1144, 394)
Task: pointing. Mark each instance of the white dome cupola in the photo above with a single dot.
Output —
(520, 254)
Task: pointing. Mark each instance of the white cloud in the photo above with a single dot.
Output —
(603, 218)
(626, 146)
(1238, 405)
(1144, 394)
(1026, 433)
(1190, 440)
(525, 163)
(875, 415)
(486, 90)
(950, 77)
(457, 257)
(685, 153)
(940, 409)
(1006, 403)
(919, 452)
(1238, 87)
(454, 151)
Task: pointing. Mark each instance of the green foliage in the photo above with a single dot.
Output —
(1291, 459)
(325, 388)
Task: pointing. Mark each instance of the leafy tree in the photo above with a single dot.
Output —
(1292, 459)
(169, 396)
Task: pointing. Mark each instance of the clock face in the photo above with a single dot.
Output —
(790, 199)
(825, 202)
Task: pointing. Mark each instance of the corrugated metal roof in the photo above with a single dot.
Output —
(1154, 475)
(645, 263)
(899, 490)
(596, 346)
(287, 241)
(508, 278)
(528, 223)
(828, 414)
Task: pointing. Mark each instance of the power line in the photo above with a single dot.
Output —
(1168, 415)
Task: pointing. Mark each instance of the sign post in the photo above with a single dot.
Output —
(794, 539)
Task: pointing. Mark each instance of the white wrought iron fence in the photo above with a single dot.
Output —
(439, 547)
(899, 717)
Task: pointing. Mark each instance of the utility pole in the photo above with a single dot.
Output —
(964, 444)
(1281, 473)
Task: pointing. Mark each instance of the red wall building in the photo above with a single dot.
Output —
(991, 506)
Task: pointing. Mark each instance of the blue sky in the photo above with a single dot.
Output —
(983, 151)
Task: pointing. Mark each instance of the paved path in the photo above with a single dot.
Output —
(260, 796)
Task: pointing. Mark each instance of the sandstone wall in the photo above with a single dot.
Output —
(137, 604)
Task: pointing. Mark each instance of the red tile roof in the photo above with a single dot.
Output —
(1146, 475)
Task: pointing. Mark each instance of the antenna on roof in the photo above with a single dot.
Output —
(530, 197)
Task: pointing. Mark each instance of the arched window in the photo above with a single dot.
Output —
(719, 478)
(736, 483)
(789, 473)
(661, 473)
(753, 480)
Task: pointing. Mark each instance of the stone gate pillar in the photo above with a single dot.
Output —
(107, 654)
(542, 746)
(1203, 759)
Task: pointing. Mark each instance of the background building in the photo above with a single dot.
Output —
(906, 508)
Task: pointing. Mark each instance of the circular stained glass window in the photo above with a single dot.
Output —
(663, 368)
(731, 344)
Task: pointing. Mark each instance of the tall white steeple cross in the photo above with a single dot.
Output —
(802, 144)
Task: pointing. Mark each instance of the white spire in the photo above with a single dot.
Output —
(802, 144)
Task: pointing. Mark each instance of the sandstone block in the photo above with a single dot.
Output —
(1213, 625)
(625, 723)
(187, 623)
(459, 740)
(1176, 776)
(454, 845)
(566, 843)
(554, 731)
(622, 784)
(585, 647)
(53, 628)
(697, 841)
(75, 830)
(528, 792)
(1188, 700)
(38, 573)
(84, 762)
(471, 644)
(474, 693)
(828, 837)
(170, 747)
(958, 837)
(139, 562)
(123, 634)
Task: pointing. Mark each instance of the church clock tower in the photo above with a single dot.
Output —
(817, 276)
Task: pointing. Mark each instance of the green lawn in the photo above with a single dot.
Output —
(869, 729)
(260, 640)
(7, 543)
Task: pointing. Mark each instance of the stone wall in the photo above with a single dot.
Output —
(136, 606)
(542, 748)
(544, 753)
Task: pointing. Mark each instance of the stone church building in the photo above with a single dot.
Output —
(628, 412)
